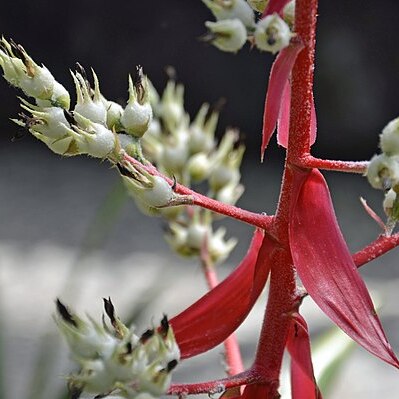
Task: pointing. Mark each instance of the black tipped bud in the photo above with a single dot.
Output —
(109, 309)
(65, 314)
(164, 328)
(146, 336)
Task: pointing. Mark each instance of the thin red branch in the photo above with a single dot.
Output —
(308, 161)
(375, 249)
(255, 219)
(231, 347)
(250, 376)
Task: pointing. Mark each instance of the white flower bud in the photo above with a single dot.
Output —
(383, 171)
(93, 138)
(137, 115)
(50, 121)
(272, 34)
(199, 166)
(59, 98)
(227, 35)
(21, 71)
(89, 103)
(196, 235)
(223, 175)
(230, 193)
(154, 191)
(130, 367)
(389, 138)
(258, 5)
(232, 9)
(114, 115)
(174, 156)
(289, 13)
(160, 194)
(389, 200)
(171, 107)
(127, 143)
(176, 237)
(218, 248)
(202, 131)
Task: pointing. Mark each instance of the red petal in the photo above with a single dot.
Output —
(274, 6)
(283, 125)
(303, 384)
(326, 268)
(211, 319)
(279, 74)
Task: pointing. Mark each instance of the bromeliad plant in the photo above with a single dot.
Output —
(301, 239)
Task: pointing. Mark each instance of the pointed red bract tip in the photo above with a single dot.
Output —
(275, 6)
(326, 268)
(279, 74)
(211, 319)
(303, 384)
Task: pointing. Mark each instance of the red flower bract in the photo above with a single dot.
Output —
(279, 74)
(211, 319)
(326, 267)
(274, 6)
(303, 384)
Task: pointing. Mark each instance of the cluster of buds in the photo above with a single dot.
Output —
(183, 149)
(188, 150)
(96, 126)
(113, 360)
(236, 23)
(383, 171)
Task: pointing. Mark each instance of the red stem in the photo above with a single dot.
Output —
(250, 376)
(375, 249)
(231, 347)
(308, 161)
(282, 294)
(255, 219)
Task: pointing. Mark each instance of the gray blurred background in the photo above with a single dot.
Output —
(51, 208)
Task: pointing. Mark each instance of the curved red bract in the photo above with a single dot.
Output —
(279, 74)
(326, 267)
(211, 319)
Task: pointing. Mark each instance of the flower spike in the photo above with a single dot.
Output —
(326, 268)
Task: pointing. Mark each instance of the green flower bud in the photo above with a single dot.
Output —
(227, 35)
(389, 138)
(89, 103)
(258, 5)
(383, 171)
(232, 9)
(137, 115)
(272, 34)
(114, 115)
